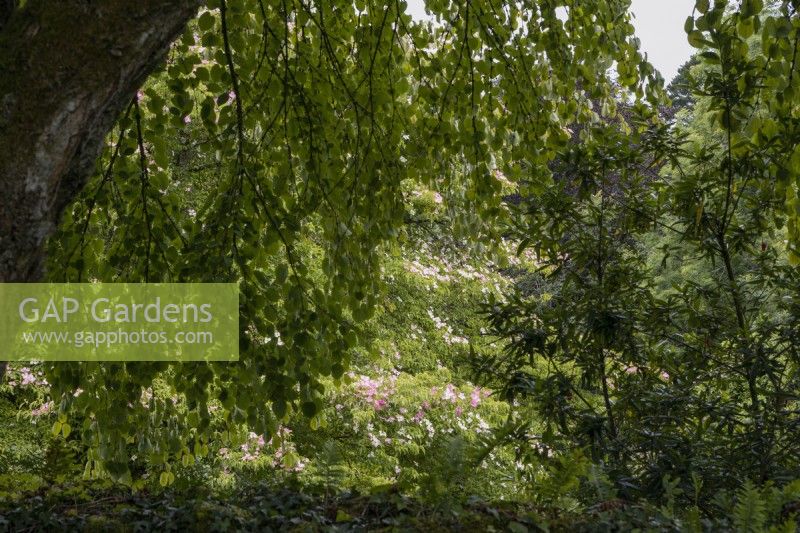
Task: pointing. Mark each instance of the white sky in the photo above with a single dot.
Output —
(659, 26)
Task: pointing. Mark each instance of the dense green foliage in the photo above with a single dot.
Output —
(306, 121)
(674, 379)
(488, 278)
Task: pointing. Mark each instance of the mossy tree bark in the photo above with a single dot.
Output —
(67, 69)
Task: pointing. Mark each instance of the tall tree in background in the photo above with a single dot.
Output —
(679, 89)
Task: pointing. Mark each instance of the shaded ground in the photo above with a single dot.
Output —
(262, 508)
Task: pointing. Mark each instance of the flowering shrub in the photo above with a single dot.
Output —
(277, 452)
(406, 414)
(403, 424)
(25, 377)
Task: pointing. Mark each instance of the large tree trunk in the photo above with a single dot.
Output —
(67, 69)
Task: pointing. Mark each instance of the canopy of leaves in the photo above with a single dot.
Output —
(297, 148)
(306, 118)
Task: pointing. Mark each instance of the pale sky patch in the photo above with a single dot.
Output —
(659, 26)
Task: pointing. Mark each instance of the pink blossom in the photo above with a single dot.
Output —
(419, 416)
(632, 370)
(43, 409)
(375, 391)
(475, 397)
(665, 376)
(459, 411)
(27, 376)
(187, 119)
(449, 393)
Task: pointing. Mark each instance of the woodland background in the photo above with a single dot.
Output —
(494, 276)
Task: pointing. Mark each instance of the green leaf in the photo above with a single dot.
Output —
(309, 409)
(206, 21)
(281, 273)
(697, 39)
